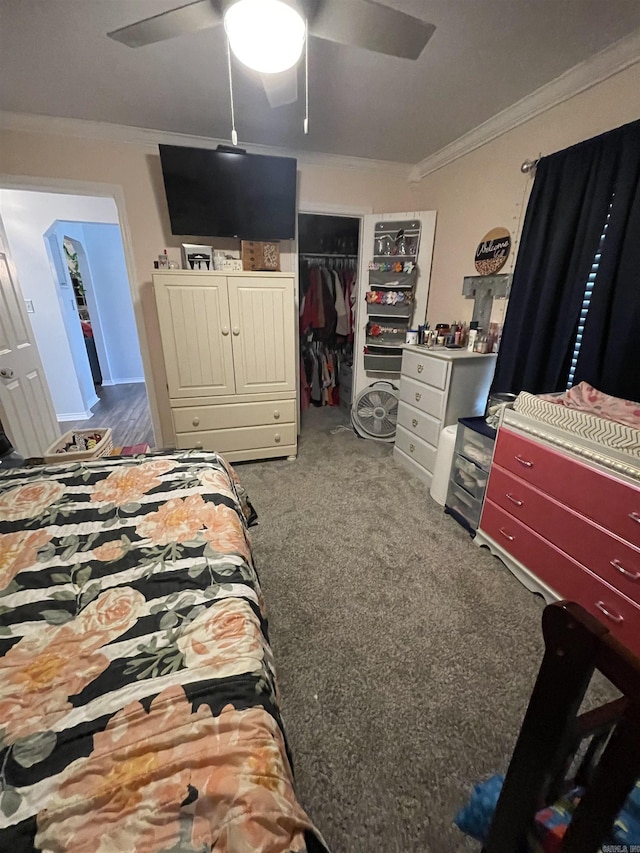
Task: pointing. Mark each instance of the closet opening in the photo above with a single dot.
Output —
(328, 251)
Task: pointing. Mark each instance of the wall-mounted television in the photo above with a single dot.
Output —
(214, 193)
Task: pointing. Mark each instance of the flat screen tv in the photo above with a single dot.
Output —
(229, 194)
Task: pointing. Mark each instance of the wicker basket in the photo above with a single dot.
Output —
(102, 448)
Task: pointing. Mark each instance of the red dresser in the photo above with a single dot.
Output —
(566, 525)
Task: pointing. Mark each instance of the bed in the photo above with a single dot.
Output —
(138, 700)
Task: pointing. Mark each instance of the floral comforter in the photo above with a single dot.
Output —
(138, 707)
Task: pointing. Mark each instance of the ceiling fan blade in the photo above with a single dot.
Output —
(199, 15)
(367, 24)
(281, 89)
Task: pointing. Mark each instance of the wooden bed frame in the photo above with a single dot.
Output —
(553, 737)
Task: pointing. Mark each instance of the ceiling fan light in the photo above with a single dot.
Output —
(266, 35)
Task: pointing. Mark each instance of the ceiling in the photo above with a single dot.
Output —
(485, 55)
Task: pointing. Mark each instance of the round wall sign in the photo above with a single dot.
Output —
(493, 251)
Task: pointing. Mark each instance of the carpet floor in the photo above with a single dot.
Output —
(405, 654)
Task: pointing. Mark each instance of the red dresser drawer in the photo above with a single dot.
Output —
(570, 580)
(607, 556)
(612, 503)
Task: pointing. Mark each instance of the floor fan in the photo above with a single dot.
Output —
(375, 412)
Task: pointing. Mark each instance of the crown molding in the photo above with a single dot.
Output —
(620, 55)
(107, 132)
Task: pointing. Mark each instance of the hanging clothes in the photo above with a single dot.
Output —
(327, 326)
(342, 322)
(321, 370)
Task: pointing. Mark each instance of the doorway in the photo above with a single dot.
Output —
(328, 255)
(69, 255)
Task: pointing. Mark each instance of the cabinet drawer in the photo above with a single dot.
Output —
(612, 503)
(424, 426)
(425, 368)
(612, 559)
(463, 503)
(475, 446)
(569, 580)
(204, 418)
(417, 449)
(470, 476)
(245, 438)
(424, 397)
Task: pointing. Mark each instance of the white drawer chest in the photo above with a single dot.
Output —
(229, 349)
(437, 386)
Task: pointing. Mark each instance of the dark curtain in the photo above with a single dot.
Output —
(565, 218)
(610, 352)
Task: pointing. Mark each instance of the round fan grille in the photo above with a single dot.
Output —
(375, 413)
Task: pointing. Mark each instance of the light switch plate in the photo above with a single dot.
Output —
(29, 304)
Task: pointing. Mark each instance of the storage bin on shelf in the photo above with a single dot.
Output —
(382, 360)
(381, 333)
(402, 310)
(56, 453)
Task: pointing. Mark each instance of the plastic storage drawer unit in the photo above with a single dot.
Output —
(470, 471)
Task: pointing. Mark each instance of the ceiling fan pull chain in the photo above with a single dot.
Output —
(234, 133)
(306, 76)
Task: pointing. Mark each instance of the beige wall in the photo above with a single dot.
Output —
(486, 188)
(472, 195)
(136, 168)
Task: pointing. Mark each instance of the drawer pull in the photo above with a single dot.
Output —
(420, 368)
(195, 421)
(610, 614)
(415, 422)
(276, 415)
(418, 396)
(524, 462)
(634, 576)
(514, 500)
(277, 438)
(635, 516)
(412, 448)
(507, 535)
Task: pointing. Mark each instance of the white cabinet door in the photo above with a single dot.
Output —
(26, 408)
(196, 334)
(263, 327)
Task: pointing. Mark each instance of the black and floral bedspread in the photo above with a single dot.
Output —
(138, 707)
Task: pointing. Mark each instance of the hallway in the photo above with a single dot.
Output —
(125, 409)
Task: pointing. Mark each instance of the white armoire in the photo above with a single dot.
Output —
(229, 343)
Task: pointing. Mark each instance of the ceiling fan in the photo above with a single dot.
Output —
(269, 35)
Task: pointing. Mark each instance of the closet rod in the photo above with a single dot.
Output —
(324, 255)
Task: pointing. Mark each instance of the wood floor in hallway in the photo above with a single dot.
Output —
(125, 409)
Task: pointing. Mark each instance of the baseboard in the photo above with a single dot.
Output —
(94, 402)
(106, 382)
(126, 381)
(74, 416)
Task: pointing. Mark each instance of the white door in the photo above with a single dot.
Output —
(193, 311)
(427, 218)
(26, 409)
(263, 331)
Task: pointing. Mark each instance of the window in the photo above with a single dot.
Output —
(586, 299)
